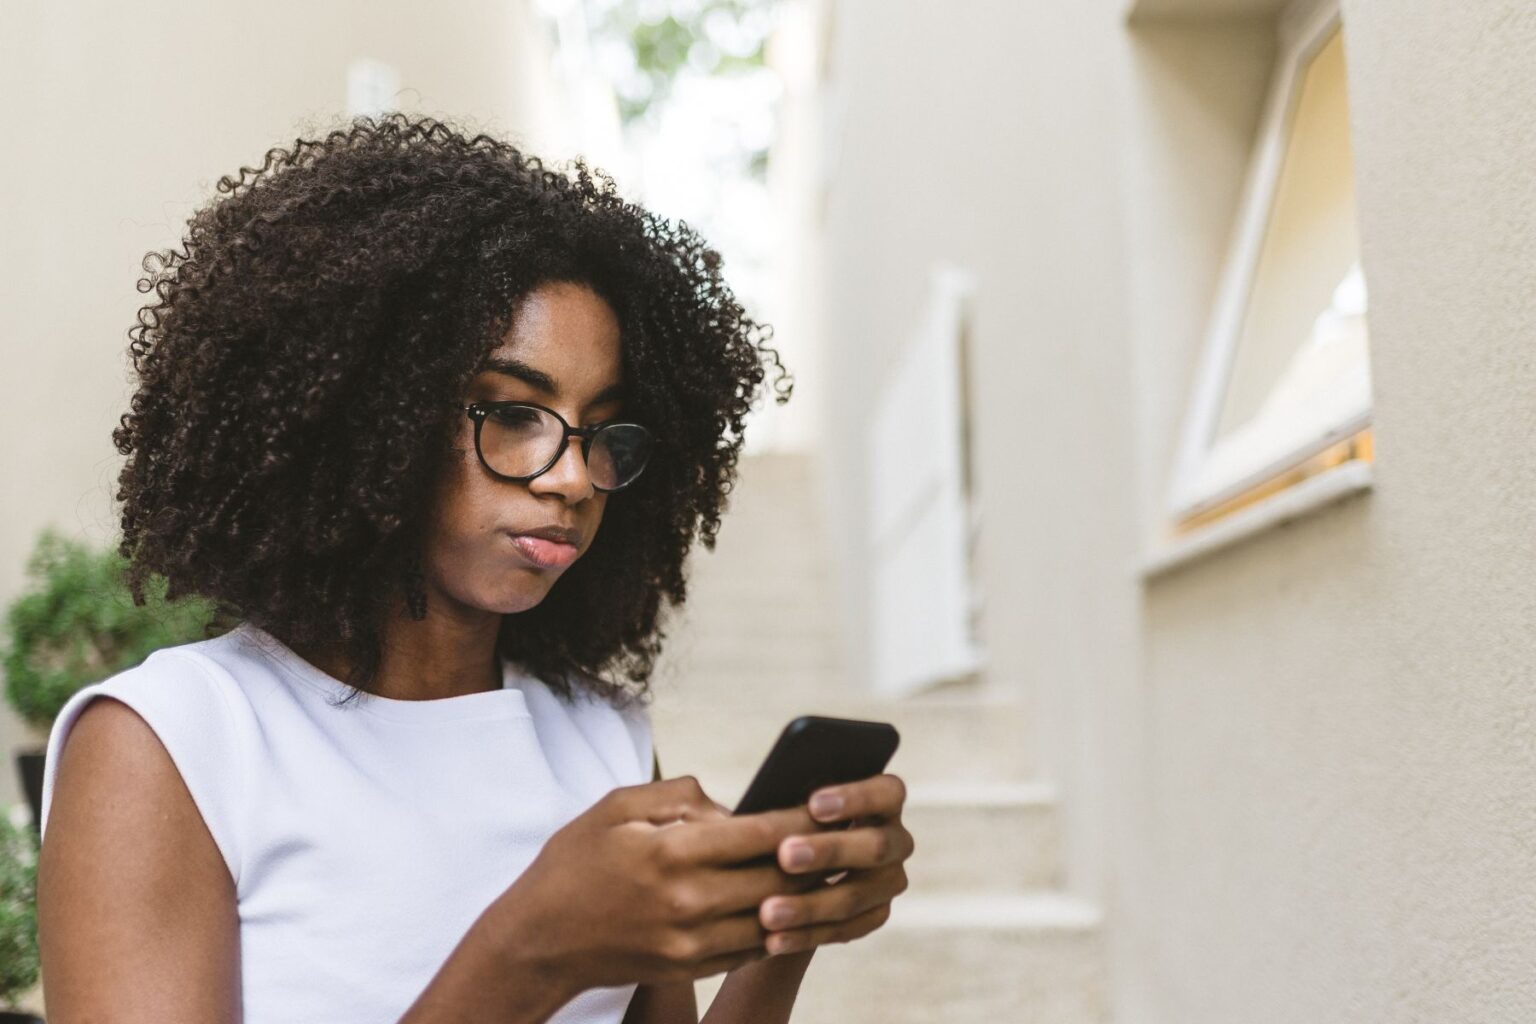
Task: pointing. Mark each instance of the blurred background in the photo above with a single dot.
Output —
(1159, 459)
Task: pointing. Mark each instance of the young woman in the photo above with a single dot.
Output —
(435, 427)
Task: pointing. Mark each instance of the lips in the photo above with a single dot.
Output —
(553, 531)
(544, 552)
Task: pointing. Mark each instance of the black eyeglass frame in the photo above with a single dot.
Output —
(478, 411)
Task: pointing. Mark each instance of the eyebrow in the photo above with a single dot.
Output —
(520, 370)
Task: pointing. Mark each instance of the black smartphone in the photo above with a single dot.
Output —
(813, 752)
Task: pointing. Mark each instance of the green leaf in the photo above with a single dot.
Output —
(20, 959)
(75, 623)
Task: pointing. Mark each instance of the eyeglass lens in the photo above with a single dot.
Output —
(520, 441)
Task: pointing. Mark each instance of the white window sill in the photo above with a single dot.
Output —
(1314, 493)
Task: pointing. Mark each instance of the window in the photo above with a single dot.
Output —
(1282, 410)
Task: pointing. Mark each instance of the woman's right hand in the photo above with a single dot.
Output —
(653, 883)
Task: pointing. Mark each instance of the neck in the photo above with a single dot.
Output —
(450, 653)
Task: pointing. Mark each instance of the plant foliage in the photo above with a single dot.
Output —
(75, 624)
(20, 961)
(690, 35)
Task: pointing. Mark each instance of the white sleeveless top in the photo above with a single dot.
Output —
(364, 841)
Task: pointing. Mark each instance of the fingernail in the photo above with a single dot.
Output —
(798, 855)
(826, 804)
(779, 915)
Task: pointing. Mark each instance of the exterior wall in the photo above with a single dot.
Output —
(1297, 772)
(964, 137)
(120, 119)
(1340, 715)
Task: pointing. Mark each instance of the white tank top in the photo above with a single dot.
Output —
(364, 841)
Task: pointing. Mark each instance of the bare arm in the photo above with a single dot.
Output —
(137, 915)
(672, 1003)
(137, 919)
(760, 993)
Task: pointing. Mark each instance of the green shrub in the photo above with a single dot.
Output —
(76, 624)
(20, 961)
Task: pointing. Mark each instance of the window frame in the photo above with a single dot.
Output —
(1261, 495)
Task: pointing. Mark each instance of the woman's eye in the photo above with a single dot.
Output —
(516, 417)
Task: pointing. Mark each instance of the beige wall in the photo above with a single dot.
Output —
(120, 117)
(1341, 715)
(1297, 772)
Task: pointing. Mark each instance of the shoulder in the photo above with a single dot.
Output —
(118, 774)
(195, 682)
(179, 709)
(136, 879)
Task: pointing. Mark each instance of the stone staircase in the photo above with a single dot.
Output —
(983, 934)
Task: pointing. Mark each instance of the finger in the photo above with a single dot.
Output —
(706, 893)
(866, 847)
(741, 837)
(732, 933)
(673, 814)
(799, 939)
(661, 803)
(863, 890)
(879, 796)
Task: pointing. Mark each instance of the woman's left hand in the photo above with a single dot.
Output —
(867, 856)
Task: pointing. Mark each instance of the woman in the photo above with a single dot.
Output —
(434, 427)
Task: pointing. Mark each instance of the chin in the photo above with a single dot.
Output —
(498, 597)
(523, 599)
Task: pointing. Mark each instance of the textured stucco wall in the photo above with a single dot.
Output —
(1298, 773)
(980, 133)
(1340, 715)
(120, 117)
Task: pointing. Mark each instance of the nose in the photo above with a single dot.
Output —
(568, 477)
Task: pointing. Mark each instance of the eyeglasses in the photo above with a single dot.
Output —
(520, 440)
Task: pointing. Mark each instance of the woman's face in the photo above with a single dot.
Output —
(562, 352)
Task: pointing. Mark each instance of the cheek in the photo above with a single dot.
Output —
(466, 556)
(465, 512)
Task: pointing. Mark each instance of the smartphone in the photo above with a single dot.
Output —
(813, 752)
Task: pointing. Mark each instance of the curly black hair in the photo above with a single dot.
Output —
(297, 373)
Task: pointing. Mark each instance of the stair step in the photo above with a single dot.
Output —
(783, 517)
(786, 511)
(981, 910)
(755, 591)
(776, 536)
(1002, 836)
(726, 651)
(722, 739)
(786, 622)
(755, 588)
(785, 692)
(966, 958)
(743, 595)
(979, 936)
(796, 528)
